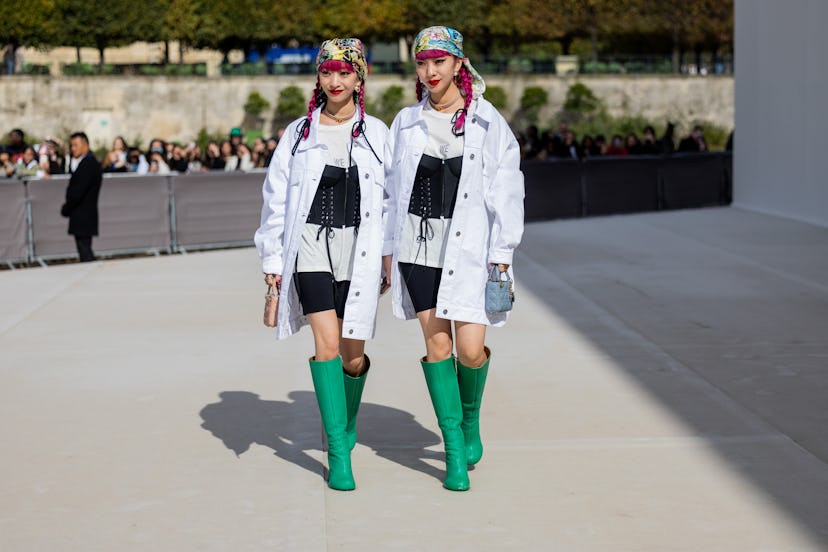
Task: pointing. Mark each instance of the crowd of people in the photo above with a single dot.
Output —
(564, 143)
(22, 160)
(19, 159)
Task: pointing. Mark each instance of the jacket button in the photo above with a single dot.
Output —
(366, 176)
(445, 311)
(474, 120)
(357, 294)
(465, 196)
(451, 272)
(457, 234)
(367, 214)
(363, 253)
(471, 156)
(350, 331)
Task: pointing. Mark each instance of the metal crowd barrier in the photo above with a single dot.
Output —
(138, 214)
(178, 213)
(13, 228)
(615, 185)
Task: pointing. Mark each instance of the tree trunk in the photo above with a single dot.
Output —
(166, 52)
(180, 52)
(698, 59)
(593, 39)
(566, 44)
(101, 61)
(676, 54)
(77, 54)
(13, 46)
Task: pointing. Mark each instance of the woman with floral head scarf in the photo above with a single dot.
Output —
(455, 212)
(320, 239)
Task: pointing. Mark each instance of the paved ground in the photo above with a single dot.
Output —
(662, 385)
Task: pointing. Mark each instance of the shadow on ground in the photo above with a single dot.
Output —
(291, 428)
(577, 276)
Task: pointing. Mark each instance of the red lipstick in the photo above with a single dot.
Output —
(335, 92)
(434, 82)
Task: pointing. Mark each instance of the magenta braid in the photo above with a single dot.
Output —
(311, 108)
(419, 90)
(465, 85)
(361, 102)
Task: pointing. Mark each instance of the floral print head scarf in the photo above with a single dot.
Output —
(451, 41)
(348, 50)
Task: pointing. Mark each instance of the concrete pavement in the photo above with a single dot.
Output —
(661, 386)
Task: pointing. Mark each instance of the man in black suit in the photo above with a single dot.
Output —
(82, 196)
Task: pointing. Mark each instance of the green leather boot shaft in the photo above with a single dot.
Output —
(472, 381)
(441, 379)
(330, 394)
(353, 396)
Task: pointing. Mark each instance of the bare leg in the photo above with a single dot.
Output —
(470, 340)
(353, 355)
(325, 334)
(437, 334)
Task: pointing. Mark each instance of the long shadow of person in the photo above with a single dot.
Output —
(290, 428)
(242, 419)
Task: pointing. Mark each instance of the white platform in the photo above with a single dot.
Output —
(662, 385)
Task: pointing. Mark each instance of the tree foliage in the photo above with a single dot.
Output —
(489, 26)
(29, 23)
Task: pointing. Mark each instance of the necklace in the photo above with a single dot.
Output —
(339, 120)
(442, 106)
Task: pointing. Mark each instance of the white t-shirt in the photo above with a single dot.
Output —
(337, 138)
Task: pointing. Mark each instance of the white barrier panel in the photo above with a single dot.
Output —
(217, 208)
(12, 221)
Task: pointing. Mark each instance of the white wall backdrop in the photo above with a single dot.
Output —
(781, 108)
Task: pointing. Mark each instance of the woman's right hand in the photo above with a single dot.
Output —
(273, 280)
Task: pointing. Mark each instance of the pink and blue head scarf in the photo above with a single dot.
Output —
(451, 41)
(349, 50)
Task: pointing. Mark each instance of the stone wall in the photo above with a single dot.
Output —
(175, 108)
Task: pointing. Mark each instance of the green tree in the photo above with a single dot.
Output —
(180, 24)
(28, 23)
(389, 104)
(497, 96)
(255, 104)
(292, 102)
(107, 23)
(534, 98)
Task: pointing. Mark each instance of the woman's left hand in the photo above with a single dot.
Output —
(502, 267)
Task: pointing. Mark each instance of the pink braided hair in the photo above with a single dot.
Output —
(465, 86)
(361, 101)
(312, 108)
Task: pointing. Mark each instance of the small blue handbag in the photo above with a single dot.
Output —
(499, 292)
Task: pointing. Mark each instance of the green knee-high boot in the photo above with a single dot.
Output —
(441, 379)
(353, 396)
(472, 381)
(330, 394)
